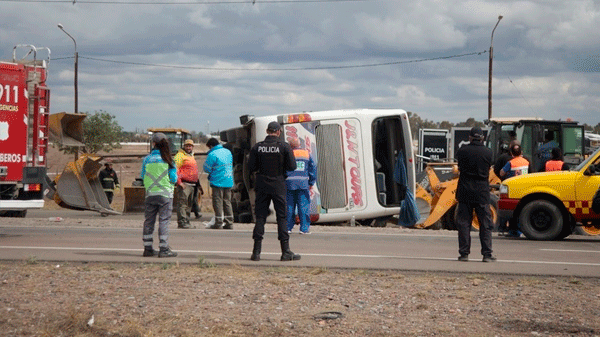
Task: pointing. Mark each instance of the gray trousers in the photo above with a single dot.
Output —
(163, 207)
(221, 198)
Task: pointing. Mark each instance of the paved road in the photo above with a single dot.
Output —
(340, 247)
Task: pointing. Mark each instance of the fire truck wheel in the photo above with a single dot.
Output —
(541, 220)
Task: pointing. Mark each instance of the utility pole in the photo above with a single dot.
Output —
(490, 73)
(76, 110)
(76, 107)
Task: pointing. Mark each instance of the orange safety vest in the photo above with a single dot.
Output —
(519, 166)
(554, 165)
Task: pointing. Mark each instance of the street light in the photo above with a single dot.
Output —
(76, 61)
(490, 75)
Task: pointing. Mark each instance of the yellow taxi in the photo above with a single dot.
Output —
(548, 205)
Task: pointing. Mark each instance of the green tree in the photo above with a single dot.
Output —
(446, 125)
(597, 128)
(101, 132)
(471, 122)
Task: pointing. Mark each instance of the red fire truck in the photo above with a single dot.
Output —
(24, 109)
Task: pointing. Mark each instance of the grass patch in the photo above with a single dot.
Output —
(202, 263)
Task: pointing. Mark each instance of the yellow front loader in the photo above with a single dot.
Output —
(437, 201)
(78, 186)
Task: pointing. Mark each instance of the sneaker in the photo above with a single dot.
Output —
(228, 226)
(463, 258)
(289, 232)
(307, 232)
(184, 226)
(148, 252)
(489, 259)
(166, 252)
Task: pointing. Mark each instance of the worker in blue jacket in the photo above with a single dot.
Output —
(219, 166)
(298, 184)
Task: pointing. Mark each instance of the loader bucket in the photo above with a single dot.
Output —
(67, 128)
(78, 187)
(135, 197)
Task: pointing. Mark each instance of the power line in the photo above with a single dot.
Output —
(215, 2)
(283, 69)
(514, 85)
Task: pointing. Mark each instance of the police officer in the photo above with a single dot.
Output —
(271, 159)
(473, 194)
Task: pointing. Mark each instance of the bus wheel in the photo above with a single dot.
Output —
(541, 220)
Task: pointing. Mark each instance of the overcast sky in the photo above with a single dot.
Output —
(217, 60)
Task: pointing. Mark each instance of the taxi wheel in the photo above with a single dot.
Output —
(587, 230)
(541, 220)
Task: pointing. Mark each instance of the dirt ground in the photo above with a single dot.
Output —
(127, 168)
(73, 299)
(169, 299)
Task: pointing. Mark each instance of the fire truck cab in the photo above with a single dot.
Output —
(24, 109)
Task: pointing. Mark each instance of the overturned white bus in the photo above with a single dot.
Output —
(355, 152)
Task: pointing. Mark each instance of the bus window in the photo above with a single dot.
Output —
(388, 141)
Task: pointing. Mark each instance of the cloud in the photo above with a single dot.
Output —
(548, 49)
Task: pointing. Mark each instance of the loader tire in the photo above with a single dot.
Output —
(493, 206)
(448, 219)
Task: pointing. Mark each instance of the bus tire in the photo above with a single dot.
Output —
(541, 220)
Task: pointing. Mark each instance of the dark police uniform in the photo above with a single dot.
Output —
(473, 193)
(271, 159)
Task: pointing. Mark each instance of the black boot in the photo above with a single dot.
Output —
(148, 252)
(286, 253)
(256, 250)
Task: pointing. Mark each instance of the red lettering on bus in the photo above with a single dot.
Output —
(355, 178)
(291, 132)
